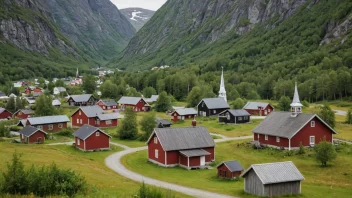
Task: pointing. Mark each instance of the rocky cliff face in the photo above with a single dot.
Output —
(138, 17)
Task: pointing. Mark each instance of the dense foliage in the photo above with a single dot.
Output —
(128, 128)
(149, 192)
(349, 116)
(4, 130)
(325, 152)
(44, 106)
(40, 181)
(284, 103)
(163, 103)
(148, 123)
(328, 115)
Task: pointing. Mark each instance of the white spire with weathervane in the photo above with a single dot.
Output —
(222, 91)
(296, 106)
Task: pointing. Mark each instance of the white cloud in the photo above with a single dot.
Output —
(146, 4)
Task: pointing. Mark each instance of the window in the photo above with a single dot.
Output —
(81, 121)
(277, 139)
(109, 107)
(108, 122)
(78, 142)
(269, 110)
(51, 127)
(40, 127)
(245, 117)
(266, 137)
(312, 140)
(19, 113)
(155, 140)
(214, 111)
(156, 153)
(240, 118)
(312, 124)
(77, 121)
(258, 136)
(79, 113)
(97, 134)
(228, 116)
(60, 126)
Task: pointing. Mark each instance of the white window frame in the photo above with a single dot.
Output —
(78, 142)
(108, 122)
(214, 111)
(50, 127)
(156, 153)
(40, 127)
(312, 124)
(310, 140)
(155, 140)
(60, 126)
(258, 136)
(240, 118)
(266, 137)
(81, 121)
(79, 112)
(228, 117)
(277, 139)
(97, 134)
(77, 121)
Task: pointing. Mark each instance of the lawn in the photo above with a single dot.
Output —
(332, 181)
(91, 165)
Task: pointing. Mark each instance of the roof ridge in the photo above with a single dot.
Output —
(271, 163)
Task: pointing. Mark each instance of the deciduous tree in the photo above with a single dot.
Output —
(89, 84)
(325, 152)
(163, 103)
(148, 123)
(284, 103)
(327, 114)
(44, 107)
(128, 128)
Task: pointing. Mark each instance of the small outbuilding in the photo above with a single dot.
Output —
(23, 113)
(229, 169)
(234, 116)
(89, 138)
(5, 114)
(136, 103)
(162, 123)
(183, 114)
(32, 135)
(259, 108)
(272, 179)
(107, 104)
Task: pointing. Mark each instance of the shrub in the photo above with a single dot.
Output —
(325, 152)
(65, 133)
(301, 149)
(15, 128)
(148, 192)
(305, 103)
(4, 131)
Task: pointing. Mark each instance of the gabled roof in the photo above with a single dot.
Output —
(2, 94)
(276, 172)
(91, 111)
(282, 124)
(26, 111)
(109, 103)
(194, 152)
(86, 131)
(162, 121)
(186, 111)
(129, 100)
(183, 138)
(48, 119)
(233, 166)
(237, 112)
(81, 98)
(61, 89)
(153, 98)
(22, 122)
(108, 116)
(2, 110)
(215, 103)
(56, 103)
(255, 105)
(29, 131)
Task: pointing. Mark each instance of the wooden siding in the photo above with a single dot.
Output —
(45, 127)
(21, 115)
(253, 185)
(91, 101)
(175, 117)
(104, 107)
(268, 110)
(172, 157)
(233, 119)
(279, 189)
(94, 142)
(151, 151)
(202, 107)
(224, 172)
(140, 106)
(33, 138)
(5, 114)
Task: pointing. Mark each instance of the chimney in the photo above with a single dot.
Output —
(194, 122)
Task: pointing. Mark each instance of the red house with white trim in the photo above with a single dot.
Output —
(89, 138)
(258, 108)
(288, 130)
(107, 104)
(23, 113)
(5, 114)
(48, 123)
(136, 103)
(32, 135)
(94, 116)
(188, 147)
(183, 114)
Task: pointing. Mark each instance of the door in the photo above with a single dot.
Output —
(202, 160)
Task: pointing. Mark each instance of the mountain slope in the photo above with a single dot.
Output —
(220, 32)
(138, 17)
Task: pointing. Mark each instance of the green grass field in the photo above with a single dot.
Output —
(332, 181)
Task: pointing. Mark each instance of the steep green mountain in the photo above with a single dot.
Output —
(243, 35)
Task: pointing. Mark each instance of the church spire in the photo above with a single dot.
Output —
(77, 74)
(296, 106)
(222, 91)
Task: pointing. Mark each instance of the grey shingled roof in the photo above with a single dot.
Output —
(129, 100)
(194, 152)
(276, 172)
(163, 121)
(238, 112)
(91, 111)
(184, 138)
(109, 103)
(86, 130)
(61, 89)
(108, 116)
(282, 124)
(29, 130)
(81, 98)
(255, 105)
(233, 165)
(2, 109)
(186, 111)
(27, 111)
(215, 103)
(48, 119)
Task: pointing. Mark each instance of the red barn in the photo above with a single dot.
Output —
(136, 103)
(89, 138)
(229, 169)
(258, 108)
(183, 114)
(188, 147)
(23, 113)
(31, 134)
(107, 104)
(94, 116)
(5, 114)
(49, 123)
(290, 129)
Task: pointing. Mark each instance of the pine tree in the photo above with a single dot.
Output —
(11, 105)
(128, 128)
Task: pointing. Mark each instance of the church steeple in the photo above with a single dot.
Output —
(296, 106)
(222, 91)
(77, 74)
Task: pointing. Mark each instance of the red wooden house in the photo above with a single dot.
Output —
(23, 113)
(229, 169)
(107, 104)
(49, 123)
(183, 114)
(258, 108)
(288, 130)
(188, 147)
(31, 134)
(89, 138)
(136, 103)
(94, 116)
(5, 114)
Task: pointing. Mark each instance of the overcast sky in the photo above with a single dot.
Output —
(146, 4)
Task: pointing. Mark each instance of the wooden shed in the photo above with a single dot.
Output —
(235, 116)
(229, 169)
(272, 179)
(32, 135)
